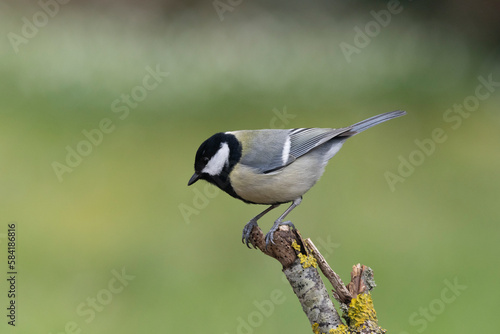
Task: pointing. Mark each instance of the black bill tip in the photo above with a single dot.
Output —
(194, 178)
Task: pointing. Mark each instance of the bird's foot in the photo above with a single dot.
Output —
(246, 233)
(276, 225)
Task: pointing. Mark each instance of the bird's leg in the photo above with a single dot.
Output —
(253, 222)
(279, 221)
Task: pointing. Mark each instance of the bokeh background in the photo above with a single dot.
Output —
(123, 207)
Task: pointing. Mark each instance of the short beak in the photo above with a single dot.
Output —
(194, 178)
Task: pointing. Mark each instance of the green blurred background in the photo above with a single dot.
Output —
(125, 207)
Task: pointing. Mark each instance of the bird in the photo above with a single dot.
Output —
(273, 166)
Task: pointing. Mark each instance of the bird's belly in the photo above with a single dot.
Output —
(281, 186)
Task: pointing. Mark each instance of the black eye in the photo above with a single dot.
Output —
(205, 159)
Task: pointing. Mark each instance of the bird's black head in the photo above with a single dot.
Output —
(215, 159)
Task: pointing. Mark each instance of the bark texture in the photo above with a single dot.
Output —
(300, 260)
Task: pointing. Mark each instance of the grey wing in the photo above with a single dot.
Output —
(300, 141)
(305, 139)
(266, 153)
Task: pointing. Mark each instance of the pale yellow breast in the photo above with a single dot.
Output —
(282, 186)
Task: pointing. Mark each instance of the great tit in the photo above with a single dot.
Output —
(272, 166)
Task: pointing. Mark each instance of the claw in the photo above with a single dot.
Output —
(276, 225)
(269, 238)
(288, 223)
(247, 230)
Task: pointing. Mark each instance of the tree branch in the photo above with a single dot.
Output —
(299, 268)
(299, 259)
(341, 293)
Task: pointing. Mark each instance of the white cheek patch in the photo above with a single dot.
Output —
(286, 150)
(218, 161)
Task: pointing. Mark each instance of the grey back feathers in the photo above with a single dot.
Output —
(270, 150)
(262, 149)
